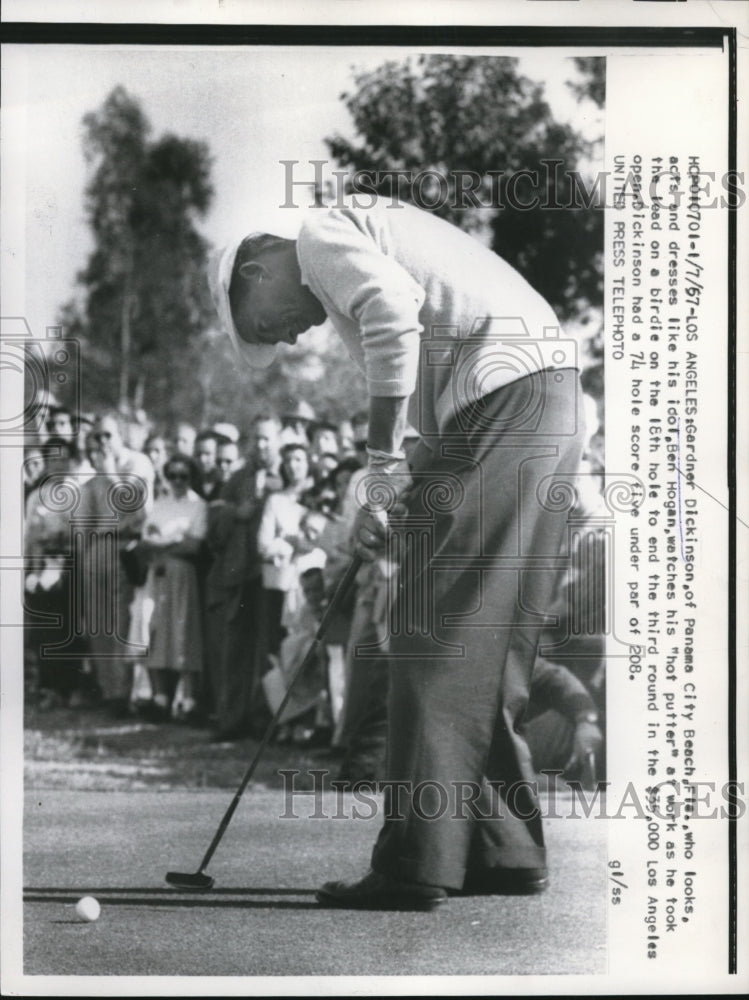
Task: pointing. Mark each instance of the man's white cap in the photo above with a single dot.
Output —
(229, 431)
(220, 267)
(284, 223)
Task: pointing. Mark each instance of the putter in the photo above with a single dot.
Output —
(199, 880)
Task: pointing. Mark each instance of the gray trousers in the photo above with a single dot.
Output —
(479, 554)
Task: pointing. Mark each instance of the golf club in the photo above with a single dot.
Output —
(199, 879)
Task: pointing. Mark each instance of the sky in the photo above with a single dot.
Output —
(253, 106)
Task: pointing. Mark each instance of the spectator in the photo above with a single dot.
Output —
(340, 478)
(184, 439)
(39, 405)
(47, 548)
(33, 468)
(265, 445)
(227, 459)
(171, 614)
(156, 450)
(346, 438)
(562, 723)
(325, 463)
(297, 422)
(306, 717)
(324, 439)
(137, 429)
(60, 423)
(360, 430)
(108, 431)
(84, 425)
(322, 495)
(280, 537)
(235, 598)
(117, 517)
(206, 447)
(81, 467)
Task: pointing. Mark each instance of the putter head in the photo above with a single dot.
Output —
(191, 882)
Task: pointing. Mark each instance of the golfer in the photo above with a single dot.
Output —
(451, 338)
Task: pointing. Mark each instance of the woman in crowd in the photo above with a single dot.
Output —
(156, 449)
(47, 544)
(168, 607)
(33, 468)
(280, 537)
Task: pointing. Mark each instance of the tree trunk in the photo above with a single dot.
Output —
(125, 343)
(139, 392)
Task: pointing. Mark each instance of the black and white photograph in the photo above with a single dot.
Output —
(372, 532)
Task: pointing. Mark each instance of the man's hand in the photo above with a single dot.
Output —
(586, 744)
(377, 495)
(370, 534)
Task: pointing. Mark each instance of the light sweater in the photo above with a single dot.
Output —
(424, 309)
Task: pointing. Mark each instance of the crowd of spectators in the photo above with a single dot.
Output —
(181, 576)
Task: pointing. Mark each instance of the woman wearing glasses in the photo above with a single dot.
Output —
(170, 606)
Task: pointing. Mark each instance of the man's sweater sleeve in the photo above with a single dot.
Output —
(350, 275)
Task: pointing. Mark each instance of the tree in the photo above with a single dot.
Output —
(143, 301)
(592, 82)
(316, 370)
(448, 114)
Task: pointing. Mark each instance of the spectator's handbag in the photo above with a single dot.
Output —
(135, 559)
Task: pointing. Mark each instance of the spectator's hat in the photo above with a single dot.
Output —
(85, 419)
(361, 433)
(226, 430)
(301, 413)
(289, 436)
(324, 423)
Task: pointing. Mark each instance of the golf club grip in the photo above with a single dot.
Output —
(344, 585)
(335, 602)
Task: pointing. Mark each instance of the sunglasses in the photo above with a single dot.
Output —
(178, 477)
(103, 436)
(224, 461)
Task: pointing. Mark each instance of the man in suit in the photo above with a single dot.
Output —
(234, 590)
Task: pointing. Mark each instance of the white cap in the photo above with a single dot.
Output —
(288, 437)
(226, 430)
(280, 222)
(220, 267)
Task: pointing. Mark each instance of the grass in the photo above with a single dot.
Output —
(87, 749)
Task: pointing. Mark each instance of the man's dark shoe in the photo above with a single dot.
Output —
(378, 892)
(505, 882)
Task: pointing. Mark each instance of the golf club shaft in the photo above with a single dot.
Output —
(342, 589)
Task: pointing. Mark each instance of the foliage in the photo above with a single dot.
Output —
(142, 310)
(592, 84)
(142, 302)
(463, 113)
(316, 370)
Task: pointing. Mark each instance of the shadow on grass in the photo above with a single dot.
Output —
(150, 890)
(239, 898)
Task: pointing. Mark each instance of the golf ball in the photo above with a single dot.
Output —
(88, 908)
